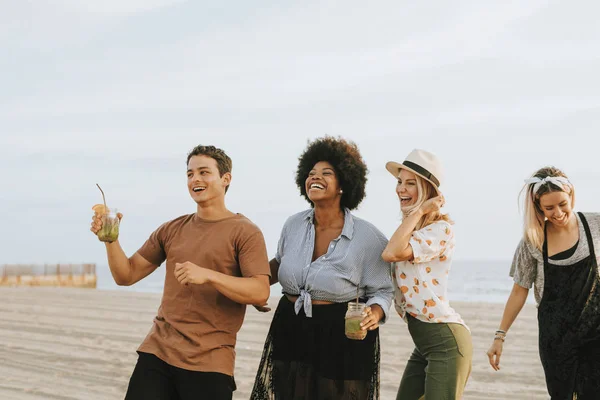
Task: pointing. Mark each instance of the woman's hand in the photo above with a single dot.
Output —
(494, 353)
(372, 317)
(432, 205)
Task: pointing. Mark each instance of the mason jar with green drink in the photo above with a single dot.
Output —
(110, 220)
(354, 316)
(110, 226)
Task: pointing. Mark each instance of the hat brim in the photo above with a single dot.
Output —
(394, 169)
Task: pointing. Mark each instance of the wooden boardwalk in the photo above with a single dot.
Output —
(74, 275)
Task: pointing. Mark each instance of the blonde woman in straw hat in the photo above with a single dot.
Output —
(557, 256)
(421, 251)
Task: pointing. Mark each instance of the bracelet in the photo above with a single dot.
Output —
(500, 335)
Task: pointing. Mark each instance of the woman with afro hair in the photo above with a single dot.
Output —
(326, 258)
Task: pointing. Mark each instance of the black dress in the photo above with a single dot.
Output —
(311, 358)
(569, 326)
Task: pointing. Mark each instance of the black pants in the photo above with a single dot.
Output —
(154, 379)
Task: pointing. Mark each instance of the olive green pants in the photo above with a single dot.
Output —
(439, 367)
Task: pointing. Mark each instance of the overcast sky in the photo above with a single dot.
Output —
(118, 91)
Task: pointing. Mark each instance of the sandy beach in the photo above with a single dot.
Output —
(65, 343)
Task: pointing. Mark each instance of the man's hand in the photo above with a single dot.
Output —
(264, 308)
(188, 272)
(97, 220)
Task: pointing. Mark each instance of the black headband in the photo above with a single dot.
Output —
(422, 171)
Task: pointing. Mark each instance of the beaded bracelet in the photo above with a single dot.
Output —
(500, 335)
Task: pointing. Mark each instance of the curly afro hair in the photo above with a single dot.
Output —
(350, 168)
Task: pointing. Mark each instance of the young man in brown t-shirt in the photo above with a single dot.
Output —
(216, 264)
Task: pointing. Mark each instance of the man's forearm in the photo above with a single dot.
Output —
(119, 265)
(253, 290)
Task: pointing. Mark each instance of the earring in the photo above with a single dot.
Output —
(341, 191)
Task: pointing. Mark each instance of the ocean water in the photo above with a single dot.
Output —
(469, 281)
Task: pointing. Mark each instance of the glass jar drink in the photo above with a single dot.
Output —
(354, 316)
(110, 226)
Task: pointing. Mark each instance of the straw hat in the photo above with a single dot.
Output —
(422, 163)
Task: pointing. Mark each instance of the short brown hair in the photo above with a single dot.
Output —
(224, 163)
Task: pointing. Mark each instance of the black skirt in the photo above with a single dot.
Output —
(311, 358)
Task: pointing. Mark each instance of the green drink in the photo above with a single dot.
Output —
(354, 316)
(110, 221)
(110, 226)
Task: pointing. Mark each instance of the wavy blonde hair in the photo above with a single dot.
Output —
(426, 191)
(534, 220)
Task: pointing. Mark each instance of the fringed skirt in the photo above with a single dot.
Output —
(311, 358)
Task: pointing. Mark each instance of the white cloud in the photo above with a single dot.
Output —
(116, 7)
(269, 60)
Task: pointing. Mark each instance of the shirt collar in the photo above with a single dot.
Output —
(347, 230)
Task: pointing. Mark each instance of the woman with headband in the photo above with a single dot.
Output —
(557, 256)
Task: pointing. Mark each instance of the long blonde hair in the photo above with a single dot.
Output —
(534, 220)
(426, 191)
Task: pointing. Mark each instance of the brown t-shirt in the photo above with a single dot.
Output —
(196, 325)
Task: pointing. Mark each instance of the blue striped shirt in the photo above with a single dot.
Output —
(352, 259)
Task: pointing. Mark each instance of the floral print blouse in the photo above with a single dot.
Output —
(421, 285)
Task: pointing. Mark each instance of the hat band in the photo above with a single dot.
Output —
(422, 171)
